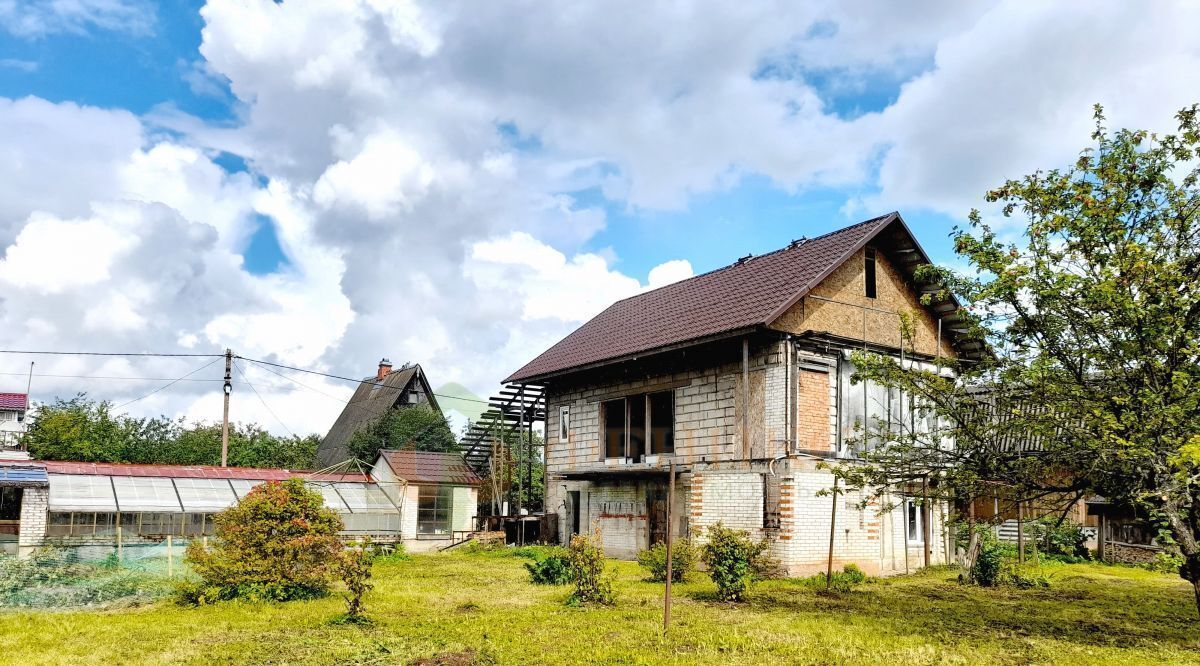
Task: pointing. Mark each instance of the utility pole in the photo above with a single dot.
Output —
(670, 554)
(225, 420)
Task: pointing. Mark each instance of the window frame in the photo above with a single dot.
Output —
(629, 451)
(870, 273)
(564, 423)
(914, 516)
(440, 492)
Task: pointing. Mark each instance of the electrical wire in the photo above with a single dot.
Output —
(351, 379)
(77, 353)
(245, 379)
(169, 384)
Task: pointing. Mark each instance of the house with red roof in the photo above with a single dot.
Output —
(740, 379)
(12, 418)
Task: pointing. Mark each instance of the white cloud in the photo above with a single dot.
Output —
(38, 18)
(668, 272)
(415, 228)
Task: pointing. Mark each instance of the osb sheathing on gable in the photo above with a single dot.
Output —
(839, 306)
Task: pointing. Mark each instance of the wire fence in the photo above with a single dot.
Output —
(92, 576)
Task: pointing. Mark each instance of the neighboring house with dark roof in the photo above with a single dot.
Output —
(438, 494)
(387, 389)
(741, 377)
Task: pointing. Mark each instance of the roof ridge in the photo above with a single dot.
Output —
(790, 246)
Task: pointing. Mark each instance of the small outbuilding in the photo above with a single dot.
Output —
(438, 494)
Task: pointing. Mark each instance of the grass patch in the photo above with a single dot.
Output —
(458, 608)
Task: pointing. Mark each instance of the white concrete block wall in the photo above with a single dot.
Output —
(466, 499)
(35, 506)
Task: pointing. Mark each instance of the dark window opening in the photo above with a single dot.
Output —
(916, 533)
(639, 425)
(770, 501)
(10, 503)
(614, 428)
(870, 272)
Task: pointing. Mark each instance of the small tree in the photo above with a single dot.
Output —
(418, 427)
(654, 560)
(278, 543)
(730, 556)
(354, 568)
(585, 558)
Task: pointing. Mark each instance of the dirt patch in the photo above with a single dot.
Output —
(468, 657)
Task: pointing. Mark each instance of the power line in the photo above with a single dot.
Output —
(169, 384)
(79, 353)
(260, 399)
(351, 379)
(297, 383)
(141, 379)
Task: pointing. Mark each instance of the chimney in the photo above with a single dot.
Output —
(385, 366)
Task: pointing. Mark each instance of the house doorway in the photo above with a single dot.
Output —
(573, 509)
(656, 512)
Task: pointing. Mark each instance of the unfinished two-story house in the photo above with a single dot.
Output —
(742, 378)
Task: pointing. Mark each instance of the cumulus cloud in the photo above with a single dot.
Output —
(422, 165)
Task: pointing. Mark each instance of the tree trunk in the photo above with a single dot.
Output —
(966, 573)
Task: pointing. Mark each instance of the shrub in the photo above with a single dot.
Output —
(1165, 562)
(986, 570)
(843, 581)
(586, 561)
(683, 560)
(550, 567)
(277, 544)
(1065, 540)
(354, 568)
(730, 556)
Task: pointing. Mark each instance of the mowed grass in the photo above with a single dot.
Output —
(480, 608)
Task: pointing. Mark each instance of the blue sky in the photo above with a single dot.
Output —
(144, 71)
(327, 182)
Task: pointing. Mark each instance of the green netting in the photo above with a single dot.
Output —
(90, 576)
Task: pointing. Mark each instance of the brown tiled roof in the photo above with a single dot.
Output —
(189, 471)
(430, 467)
(747, 294)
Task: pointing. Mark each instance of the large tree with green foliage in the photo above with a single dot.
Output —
(417, 428)
(1093, 322)
(85, 430)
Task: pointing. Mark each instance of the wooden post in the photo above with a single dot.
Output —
(170, 557)
(1102, 537)
(228, 389)
(926, 516)
(832, 533)
(118, 544)
(1020, 532)
(745, 398)
(670, 546)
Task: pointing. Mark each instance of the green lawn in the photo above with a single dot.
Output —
(463, 608)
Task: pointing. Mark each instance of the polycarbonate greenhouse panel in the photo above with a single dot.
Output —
(205, 495)
(78, 492)
(146, 493)
(243, 486)
(331, 497)
(364, 497)
(371, 523)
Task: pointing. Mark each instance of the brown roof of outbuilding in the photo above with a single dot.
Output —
(749, 293)
(430, 467)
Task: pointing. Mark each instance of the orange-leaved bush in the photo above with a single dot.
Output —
(277, 544)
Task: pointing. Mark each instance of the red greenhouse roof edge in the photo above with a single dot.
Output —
(191, 471)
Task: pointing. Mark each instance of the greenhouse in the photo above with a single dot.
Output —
(153, 502)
